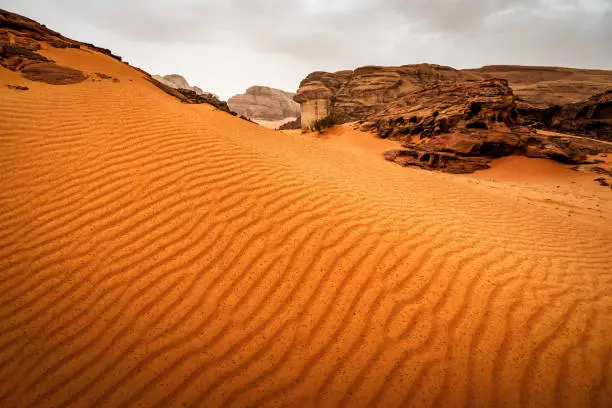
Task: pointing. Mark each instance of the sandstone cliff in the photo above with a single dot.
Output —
(547, 86)
(456, 120)
(267, 106)
(356, 95)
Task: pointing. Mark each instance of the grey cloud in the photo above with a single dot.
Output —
(304, 35)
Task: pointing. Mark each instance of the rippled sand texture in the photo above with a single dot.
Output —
(160, 254)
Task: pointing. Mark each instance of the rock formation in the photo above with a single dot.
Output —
(455, 121)
(355, 95)
(21, 38)
(20, 31)
(266, 105)
(468, 152)
(179, 82)
(592, 117)
(547, 86)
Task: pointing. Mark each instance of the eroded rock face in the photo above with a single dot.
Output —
(261, 103)
(52, 73)
(26, 33)
(468, 152)
(355, 95)
(365, 93)
(36, 67)
(457, 120)
(592, 117)
(433, 160)
(543, 87)
(446, 107)
(20, 39)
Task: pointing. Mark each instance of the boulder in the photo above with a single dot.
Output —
(436, 160)
(51, 73)
(465, 153)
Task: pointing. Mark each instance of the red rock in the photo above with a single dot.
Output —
(20, 38)
(51, 73)
(468, 113)
(436, 160)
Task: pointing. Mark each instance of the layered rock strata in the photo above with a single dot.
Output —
(438, 112)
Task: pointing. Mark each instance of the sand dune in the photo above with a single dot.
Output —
(154, 253)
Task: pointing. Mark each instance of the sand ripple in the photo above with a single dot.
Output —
(159, 254)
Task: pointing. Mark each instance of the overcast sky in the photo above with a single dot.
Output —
(225, 46)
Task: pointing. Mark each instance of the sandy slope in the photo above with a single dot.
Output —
(163, 254)
(274, 124)
(344, 137)
(551, 186)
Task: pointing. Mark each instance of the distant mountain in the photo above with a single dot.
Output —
(267, 106)
(179, 82)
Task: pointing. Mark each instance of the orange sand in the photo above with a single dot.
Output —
(160, 254)
(345, 138)
(274, 124)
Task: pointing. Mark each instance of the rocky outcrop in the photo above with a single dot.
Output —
(179, 82)
(436, 160)
(20, 38)
(52, 73)
(468, 152)
(26, 33)
(36, 67)
(317, 95)
(592, 117)
(453, 120)
(543, 87)
(445, 107)
(264, 104)
(356, 95)
(365, 93)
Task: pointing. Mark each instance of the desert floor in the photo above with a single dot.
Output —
(154, 253)
(274, 124)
